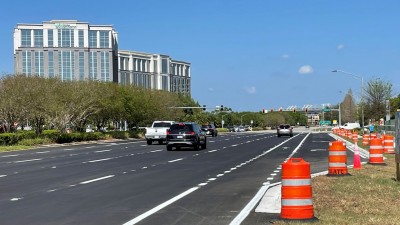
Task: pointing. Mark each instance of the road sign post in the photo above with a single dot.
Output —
(397, 142)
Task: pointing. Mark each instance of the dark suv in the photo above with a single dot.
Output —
(187, 134)
(284, 129)
(210, 129)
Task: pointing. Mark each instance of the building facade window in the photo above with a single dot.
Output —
(164, 66)
(81, 66)
(66, 38)
(26, 40)
(38, 38)
(39, 64)
(92, 65)
(92, 39)
(26, 63)
(105, 66)
(51, 64)
(104, 39)
(50, 38)
(66, 65)
(81, 38)
(164, 83)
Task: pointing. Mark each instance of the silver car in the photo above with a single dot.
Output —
(284, 130)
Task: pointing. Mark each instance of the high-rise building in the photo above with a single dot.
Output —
(67, 49)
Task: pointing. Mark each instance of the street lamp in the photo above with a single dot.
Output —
(362, 94)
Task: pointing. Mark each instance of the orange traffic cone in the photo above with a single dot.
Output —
(357, 159)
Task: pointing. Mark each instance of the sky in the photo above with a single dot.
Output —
(246, 55)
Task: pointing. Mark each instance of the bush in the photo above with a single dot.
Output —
(35, 141)
(9, 139)
(222, 129)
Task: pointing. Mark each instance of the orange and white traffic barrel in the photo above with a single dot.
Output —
(354, 136)
(376, 152)
(388, 144)
(365, 139)
(372, 136)
(337, 160)
(296, 192)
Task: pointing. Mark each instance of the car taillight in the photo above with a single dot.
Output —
(191, 133)
(168, 132)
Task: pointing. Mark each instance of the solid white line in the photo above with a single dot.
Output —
(97, 179)
(29, 160)
(176, 160)
(98, 160)
(159, 207)
(42, 152)
(245, 212)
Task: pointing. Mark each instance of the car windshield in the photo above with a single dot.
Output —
(204, 126)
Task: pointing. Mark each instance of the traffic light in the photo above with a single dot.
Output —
(204, 107)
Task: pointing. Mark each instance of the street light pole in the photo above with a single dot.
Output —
(362, 94)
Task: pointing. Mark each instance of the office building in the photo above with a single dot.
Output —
(67, 49)
(77, 51)
(154, 71)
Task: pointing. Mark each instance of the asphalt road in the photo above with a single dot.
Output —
(129, 182)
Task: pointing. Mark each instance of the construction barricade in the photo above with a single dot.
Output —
(388, 144)
(337, 159)
(355, 136)
(372, 136)
(376, 152)
(296, 190)
(365, 139)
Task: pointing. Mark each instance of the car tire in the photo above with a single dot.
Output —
(169, 148)
(149, 142)
(196, 146)
(204, 146)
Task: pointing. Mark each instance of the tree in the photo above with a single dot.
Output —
(376, 93)
(348, 108)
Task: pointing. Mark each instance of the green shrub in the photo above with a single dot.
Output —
(35, 141)
(222, 129)
(9, 138)
(257, 128)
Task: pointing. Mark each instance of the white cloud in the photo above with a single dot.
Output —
(306, 69)
(285, 56)
(340, 47)
(250, 90)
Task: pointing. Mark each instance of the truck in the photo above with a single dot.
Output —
(351, 126)
(157, 131)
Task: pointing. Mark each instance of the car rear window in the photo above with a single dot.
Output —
(287, 126)
(181, 128)
(161, 124)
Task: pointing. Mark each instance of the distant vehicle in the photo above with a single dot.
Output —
(157, 131)
(241, 129)
(187, 134)
(210, 129)
(284, 130)
(248, 128)
(351, 126)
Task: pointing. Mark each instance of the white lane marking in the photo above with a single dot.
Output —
(68, 149)
(211, 141)
(159, 207)
(42, 152)
(234, 145)
(52, 190)
(2, 176)
(175, 160)
(270, 178)
(212, 179)
(5, 156)
(15, 199)
(29, 160)
(202, 184)
(97, 179)
(245, 212)
(213, 151)
(273, 174)
(143, 145)
(276, 171)
(98, 160)
(107, 150)
(157, 150)
(315, 150)
(90, 146)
